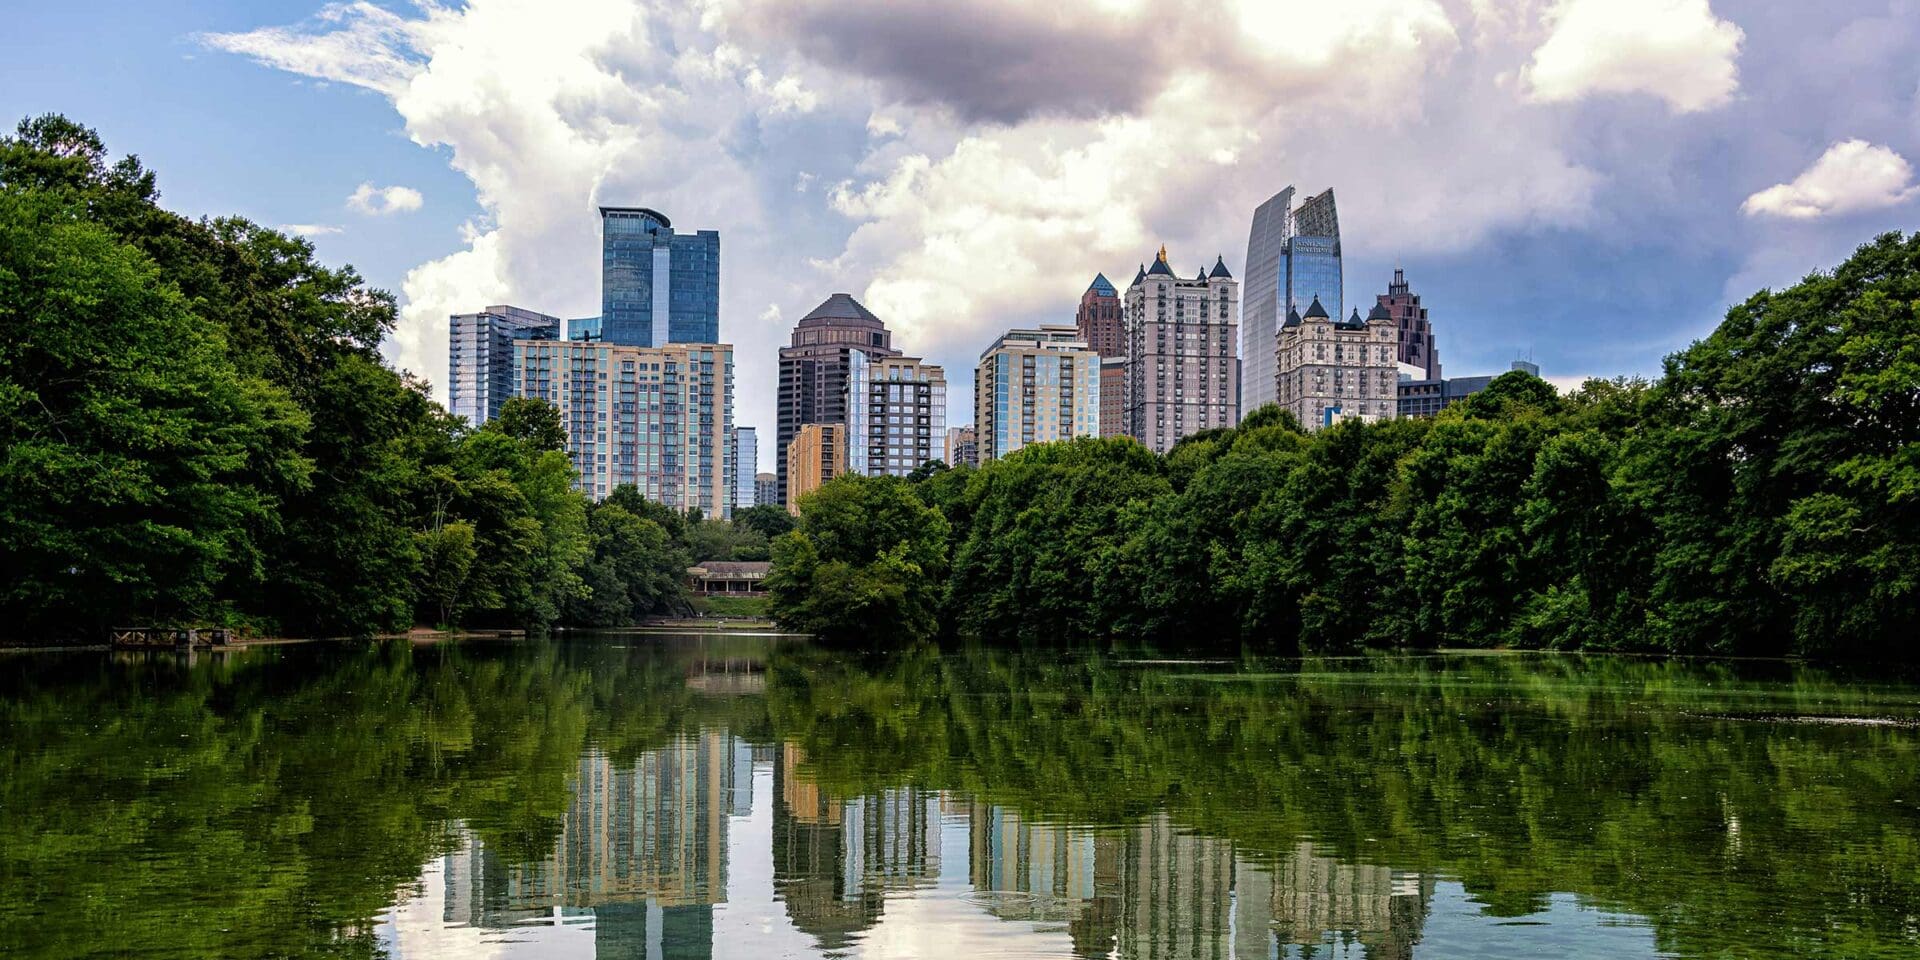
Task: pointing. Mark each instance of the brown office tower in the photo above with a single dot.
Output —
(1099, 318)
(813, 370)
(1410, 323)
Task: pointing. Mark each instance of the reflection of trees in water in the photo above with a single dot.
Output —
(306, 785)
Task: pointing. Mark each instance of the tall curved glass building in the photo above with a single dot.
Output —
(1293, 257)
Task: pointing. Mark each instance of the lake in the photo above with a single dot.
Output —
(649, 796)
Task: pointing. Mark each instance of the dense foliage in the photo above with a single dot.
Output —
(866, 555)
(1762, 497)
(196, 426)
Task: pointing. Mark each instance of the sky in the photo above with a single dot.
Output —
(1584, 183)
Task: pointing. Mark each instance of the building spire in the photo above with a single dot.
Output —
(1163, 253)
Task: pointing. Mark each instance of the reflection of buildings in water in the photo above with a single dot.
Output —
(1042, 872)
(641, 853)
(1176, 892)
(1156, 891)
(1302, 898)
(834, 861)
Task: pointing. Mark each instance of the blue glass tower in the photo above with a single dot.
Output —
(657, 287)
(1311, 260)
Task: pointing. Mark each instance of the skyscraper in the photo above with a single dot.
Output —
(746, 464)
(766, 486)
(480, 357)
(1033, 386)
(1182, 362)
(813, 369)
(1099, 320)
(657, 287)
(896, 414)
(1293, 258)
(658, 418)
(1417, 346)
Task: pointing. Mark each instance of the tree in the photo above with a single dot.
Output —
(531, 421)
(139, 467)
(1042, 522)
(867, 557)
(769, 520)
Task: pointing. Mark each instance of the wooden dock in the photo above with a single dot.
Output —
(168, 638)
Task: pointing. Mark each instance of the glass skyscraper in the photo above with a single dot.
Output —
(1312, 257)
(480, 357)
(1293, 256)
(657, 287)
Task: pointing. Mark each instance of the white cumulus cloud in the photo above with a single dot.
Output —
(958, 172)
(309, 229)
(1676, 50)
(1853, 175)
(380, 201)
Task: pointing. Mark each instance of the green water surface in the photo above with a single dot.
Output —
(648, 796)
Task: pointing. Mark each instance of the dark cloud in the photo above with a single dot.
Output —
(1001, 65)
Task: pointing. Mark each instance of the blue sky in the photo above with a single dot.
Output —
(1586, 182)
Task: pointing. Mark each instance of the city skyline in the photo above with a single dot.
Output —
(1768, 142)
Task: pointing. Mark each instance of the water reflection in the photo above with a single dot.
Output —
(642, 797)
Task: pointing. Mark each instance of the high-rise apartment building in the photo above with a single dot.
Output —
(1417, 347)
(1293, 258)
(814, 367)
(962, 447)
(657, 287)
(1099, 318)
(658, 418)
(480, 357)
(746, 460)
(1033, 386)
(1183, 353)
(896, 414)
(766, 488)
(1337, 369)
(817, 454)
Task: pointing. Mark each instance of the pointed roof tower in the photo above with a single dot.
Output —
(1141, 275)
(1102, 286)
(1293, 318)
(1315, 311)
(1219, 269)
(1160, 268)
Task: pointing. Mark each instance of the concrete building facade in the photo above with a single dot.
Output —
(1183, 340)
(658, 418)
(896, 414)
(1034, 386)
(817, 454)
(962, 447)
(1337, 369)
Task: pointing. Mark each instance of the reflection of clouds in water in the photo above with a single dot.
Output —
(434, 920)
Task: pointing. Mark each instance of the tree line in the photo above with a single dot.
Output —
(1761, 497)
(197, 426)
